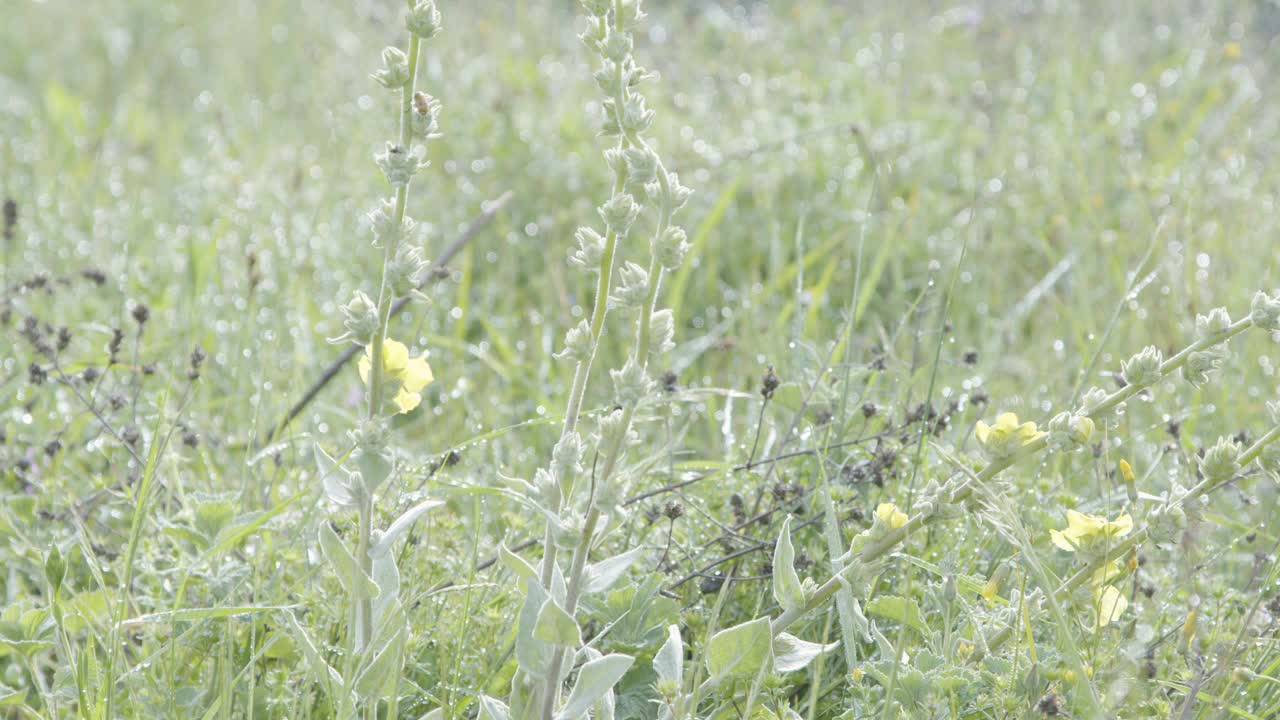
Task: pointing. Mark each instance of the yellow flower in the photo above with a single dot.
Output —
(410, 375)
(1083, 529)
(1126, 471)
(1006, 437)
(891, 516)
(1110, 604)
(1231, 51)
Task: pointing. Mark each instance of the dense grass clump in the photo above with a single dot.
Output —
(694, 360)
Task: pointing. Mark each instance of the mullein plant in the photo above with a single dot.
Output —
(740, 658)
(394, 379)
(1102, 545)
(581, 506)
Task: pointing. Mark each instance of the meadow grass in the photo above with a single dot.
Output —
(917, 218)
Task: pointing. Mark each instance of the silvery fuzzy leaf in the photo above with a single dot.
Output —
(532, 654)
(336, 489)
(354, 579)
(516, 564)
(669, 660)
(387, 576)
(401, 524)
(556, 626)
(790, 653)
(594, 680)
(741, 650)
(787, 589)
(602, 575)
(382, 660)
(491, 709)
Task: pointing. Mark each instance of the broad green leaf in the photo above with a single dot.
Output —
(602, 575)
(901, 609)
(669, 660)
(740, 650)
(402, 523)
(340, 559)
(557, 626)
(594, 680)
(790, 653)
(786, 582)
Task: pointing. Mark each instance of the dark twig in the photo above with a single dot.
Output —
(468, 233)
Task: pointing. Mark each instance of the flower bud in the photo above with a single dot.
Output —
(567, 455)
(423, 19)
(577, 343)
(1166, 524)
(398, 165)
(1264, 312)
(616, 45)
(636, 116)
(619, 212)
(1217, 321)
(1068, 430)
(1143, 369)
(662, 331)
(360, 317)
(670, 248)
(1222, 461)
(424, 120)
(630, 384)
(642, 165)
(394, 74)
(590, 249)
(406, 269)
(1092, 403)
(632, 289)
(1202, 365)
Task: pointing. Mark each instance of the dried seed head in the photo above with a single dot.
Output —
(869, 410)
(10, 217)
(141, 314)
(769, 383)
(668, 381)
(673, 510)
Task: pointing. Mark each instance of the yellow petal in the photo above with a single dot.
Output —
(416, 374)
(365, 365)
(1121, 526)
(1106, 573)
(407, 401)
(1111, 605)
(1061, 540)
(890, 515)
(1007, 421)
(982, 431)
(1080, 525)
(394, 356)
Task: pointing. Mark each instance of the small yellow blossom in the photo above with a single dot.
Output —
(1110, 604)
(1006, 437)
(410, 375)
(856, 674)
(891, 516)
(1231, 51)
(1126, 471)
(1083, 529)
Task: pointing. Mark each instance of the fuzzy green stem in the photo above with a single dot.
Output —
(386, 296)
